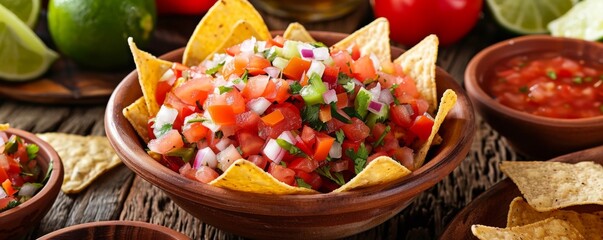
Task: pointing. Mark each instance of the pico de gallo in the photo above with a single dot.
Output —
(549, 85)
(310, 116)
(19, 171)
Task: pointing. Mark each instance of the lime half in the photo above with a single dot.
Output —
(584, 21)
(23, 55)
(528, 16)
(26, 10)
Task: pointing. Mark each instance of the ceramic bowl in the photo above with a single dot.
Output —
(536, 136)
(16, 223)
(329, 215)
(116, 230)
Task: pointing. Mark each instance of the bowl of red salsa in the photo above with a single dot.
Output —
(543, 94)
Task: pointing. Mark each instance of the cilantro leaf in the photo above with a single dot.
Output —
(302, 183)
(194, 120)
(12, 145)
(215, 69)
(164, 129)
(292, 149)
(32, 151)
(295, 87)
(224, 89)
(343, 78)
(339, 136)
(359, 157)
(325, 171)
(309, 115)
(380, 140)
(338, 116)
(219, 134)
(185, 153)
(318, 44)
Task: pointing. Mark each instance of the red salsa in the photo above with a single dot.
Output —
(549, 85)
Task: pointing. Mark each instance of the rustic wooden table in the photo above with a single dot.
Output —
(121, 195)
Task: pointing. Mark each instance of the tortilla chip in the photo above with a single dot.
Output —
(241, 31)
(150, 70)
(446, 103)
(379, 171)
(547, 229)
(84, 158)
(372, 38)
(298, 32)
(419, 63)
(521, 213)
(553, 185)
(4, 126)
(216, 26)
(245, 176)
(138, 115)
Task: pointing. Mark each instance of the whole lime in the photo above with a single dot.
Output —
(94, 32)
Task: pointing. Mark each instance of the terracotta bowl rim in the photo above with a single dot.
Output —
(420, 180)
(476, 91)
(56, 175)
(126, 223)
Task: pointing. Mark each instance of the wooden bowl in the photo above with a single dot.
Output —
(116, 230)
(330, 215)
(16, 223)
(536, 136)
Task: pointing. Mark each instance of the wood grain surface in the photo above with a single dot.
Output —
(119, 194)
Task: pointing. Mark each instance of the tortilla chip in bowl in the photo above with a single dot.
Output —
(328, 215)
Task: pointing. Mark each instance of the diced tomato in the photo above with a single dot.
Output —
(325, 113)
(187, 171)
(248, 121)
(234, 50)
(323, 145)
(311, 178)
(278, 41)
(342, 100)
(422, 127)
(402, 115)
(282, 91)
(355, 52)
(304, 147)
(257, 64)
(258, 160)
(296, 68)
(222, 114)
(194, 92)
(290, 113)
(363, 69)
(7, 185)
(419, 106)
(5, 201)
(303, 164)
(356, 131)
(340, 165)
(354, 145)
(334, 125)
(405, 156)
(16, 179)
(308, 136)
(194, 132)
(235, 100)
(183, 109)
(167, 142)
(406, 90)
(343, 61)
(273, 118)
(163, 87)
(282, 174)
(3, 175)
(330, 76)
(376, 155)
(150, 129)
(270, 90)
(206, 174)
(255, 86)
(249, 143)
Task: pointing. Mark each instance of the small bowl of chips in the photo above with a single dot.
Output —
(22, 218)
(247, 200)
(543, 94)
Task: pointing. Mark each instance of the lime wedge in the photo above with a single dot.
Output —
(26, 10)
(528, 16)
(583, 21)
(23, 55)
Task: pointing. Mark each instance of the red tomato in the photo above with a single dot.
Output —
(356, 131)
(402, 115)
(194, 132)
(412, 20)
(342, 60)
(363, 69)
(255, 86)
(281, 173)
(206, 174)
(303, 164)
(258, 160)
(310, 178)
(296, 68)
(190, 7)
(248, 121)
(257, 64)
(249, 143)
(194, 91)
(323, 145)
(422, 127)
(308, 136)
(290, 112)
(163, 87)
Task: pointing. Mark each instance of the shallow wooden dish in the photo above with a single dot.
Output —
(16, 223)
(116, 230)
(539, 137)
(331, 215)
(491, 208)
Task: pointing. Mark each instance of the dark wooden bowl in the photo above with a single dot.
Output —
(16, 223)
(491, 208)
(539, 137)
(329, 215)
(116, 230)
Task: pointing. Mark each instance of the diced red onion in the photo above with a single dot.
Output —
(166, 115)
(272, 71)
(409, 109)
(316, 67)
(228, 131)
(287, 136)
(329, 96)
(259, 105)
(376, 91)
(28, 189)
(298, 138)
(375, 107)
(376, 62)
(321, 53)
(273, 151)
(2, 193)
(307, 53)
(343, 114)
(227, 156)
(386, 96)
(336, 150)
(223, 143)
(339, 166)
(205, 157)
